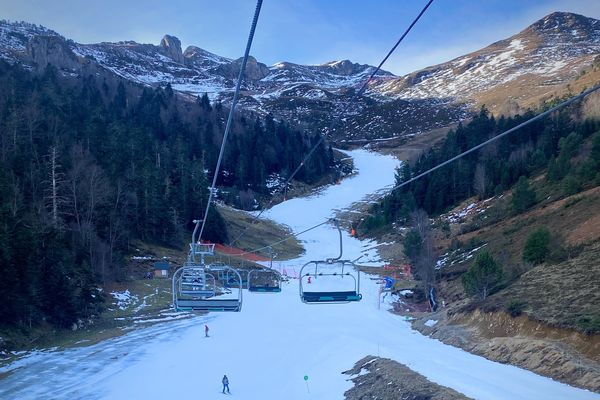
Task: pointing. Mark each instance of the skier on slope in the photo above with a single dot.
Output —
(225, 383)
(205, 330)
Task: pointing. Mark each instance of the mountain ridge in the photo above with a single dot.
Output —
(549, 52)
(509, 74)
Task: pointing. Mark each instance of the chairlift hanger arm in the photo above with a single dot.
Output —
(337, 225)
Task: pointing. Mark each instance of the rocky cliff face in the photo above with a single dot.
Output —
(171, 47)
(44, 50)
(255, 71)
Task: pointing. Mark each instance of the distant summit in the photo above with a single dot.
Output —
(549, 53)
(563, 22)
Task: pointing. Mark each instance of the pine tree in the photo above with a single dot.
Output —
(523, 196)
(483, 277)
(536, 248)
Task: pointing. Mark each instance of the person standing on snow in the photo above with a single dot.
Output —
(205, 330)
(225, 383)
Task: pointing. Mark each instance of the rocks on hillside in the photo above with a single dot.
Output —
(388, 379)
(574, 25)
(44, 50)
(171, 47)
(254, 70)
(344, 67)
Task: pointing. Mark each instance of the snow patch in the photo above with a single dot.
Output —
(124, 299)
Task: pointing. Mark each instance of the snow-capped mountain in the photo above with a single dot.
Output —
(534, 62)
(302, 94)
(550, 52)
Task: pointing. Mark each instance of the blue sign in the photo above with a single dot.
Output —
(389, 282)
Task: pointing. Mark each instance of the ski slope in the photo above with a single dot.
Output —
(268, 348)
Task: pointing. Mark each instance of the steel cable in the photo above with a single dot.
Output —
(231, 111)
(337, 119)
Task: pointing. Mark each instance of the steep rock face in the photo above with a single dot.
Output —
(344, 67)
(171, 47)
(15, 36)
(44, 50)
(255, 71)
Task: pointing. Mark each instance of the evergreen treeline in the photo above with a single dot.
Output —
(547, 143)
(89, 164)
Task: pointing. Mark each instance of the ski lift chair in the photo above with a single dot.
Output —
(264, 280)
(195, 284)
(343, 275)
(209, 299)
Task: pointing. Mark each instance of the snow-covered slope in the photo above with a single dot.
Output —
(548, 53)
(14, 37)
(268, 348)
(151, 65)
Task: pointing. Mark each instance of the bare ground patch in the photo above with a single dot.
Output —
(557, 353)
(390, 380)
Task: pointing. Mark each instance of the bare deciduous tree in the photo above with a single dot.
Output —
(479, 180)
(88, 189)
(53, 197)
(591, 106)
(425, 264)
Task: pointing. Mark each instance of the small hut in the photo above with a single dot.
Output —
(161, 269)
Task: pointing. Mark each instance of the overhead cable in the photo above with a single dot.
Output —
(521, 125)
(231, 111)
(337, 119)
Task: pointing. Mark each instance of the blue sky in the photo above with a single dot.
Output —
(301, 31)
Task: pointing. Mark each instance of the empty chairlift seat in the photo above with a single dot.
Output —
(212, 304)
(201, 287)
(329, 281)
(264, 280)
(196, 282)
(206, 290)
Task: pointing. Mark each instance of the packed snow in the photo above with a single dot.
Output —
(268, 348)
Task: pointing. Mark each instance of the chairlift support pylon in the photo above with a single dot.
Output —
(332, 268)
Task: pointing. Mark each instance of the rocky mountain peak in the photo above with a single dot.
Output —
(343, 67)
(564, 23)
(199, 57)
(544, 56)
(171, 47)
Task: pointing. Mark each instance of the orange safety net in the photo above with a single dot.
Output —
(235, 252)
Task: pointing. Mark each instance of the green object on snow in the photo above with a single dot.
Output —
(305, 377)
